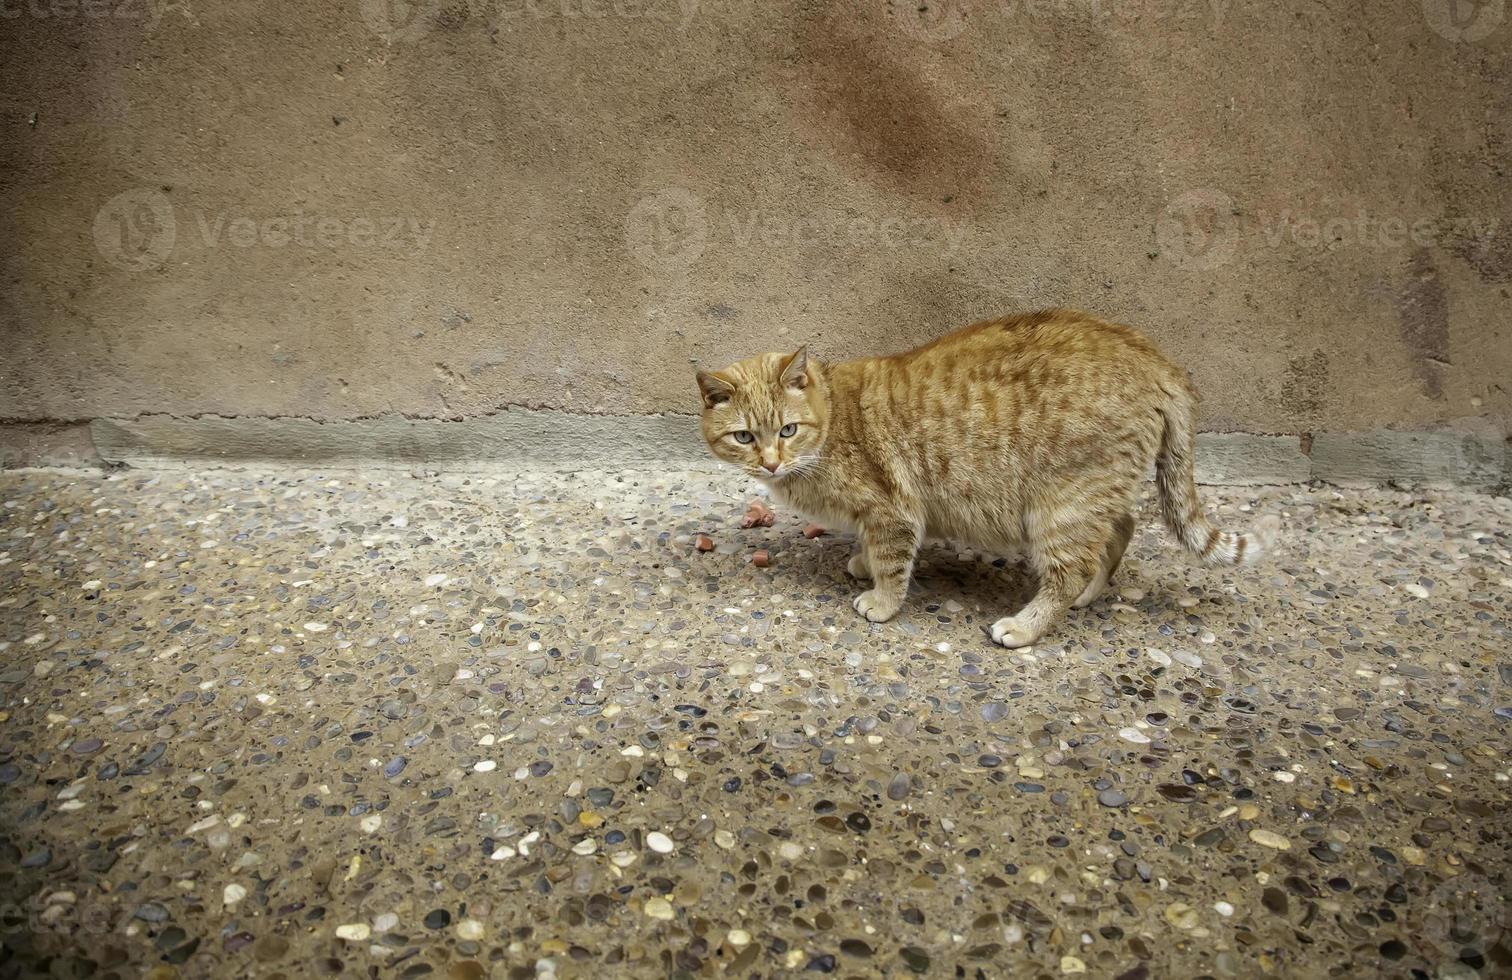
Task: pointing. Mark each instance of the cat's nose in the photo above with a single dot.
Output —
(771, 467)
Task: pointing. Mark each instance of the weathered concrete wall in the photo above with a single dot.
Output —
(358, 209)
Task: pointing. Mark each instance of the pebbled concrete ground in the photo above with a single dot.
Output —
(292, 723)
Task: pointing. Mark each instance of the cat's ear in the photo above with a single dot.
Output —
(795, 369)
(715, 390)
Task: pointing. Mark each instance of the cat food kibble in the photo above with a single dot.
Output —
(813, 531)
(757, 515)
(704, 543)
(761, 559)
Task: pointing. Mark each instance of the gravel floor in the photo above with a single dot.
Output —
(297, 723)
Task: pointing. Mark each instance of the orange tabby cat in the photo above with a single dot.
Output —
(1028, 433)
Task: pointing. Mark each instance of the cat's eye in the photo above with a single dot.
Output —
(789, 430)
(743, 437)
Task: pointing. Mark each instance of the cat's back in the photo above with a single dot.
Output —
(1040, 347)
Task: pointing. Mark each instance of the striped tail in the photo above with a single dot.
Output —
(1183, 511)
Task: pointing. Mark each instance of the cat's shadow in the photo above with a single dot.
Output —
(984, 585)
(997, 586)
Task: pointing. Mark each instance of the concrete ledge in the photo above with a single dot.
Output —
(60, 444)
(1471, 460)
(1475, 456)
(1238, 459)
(512, 438)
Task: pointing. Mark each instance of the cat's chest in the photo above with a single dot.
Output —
(815, 506)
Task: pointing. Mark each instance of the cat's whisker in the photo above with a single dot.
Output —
(807, 463)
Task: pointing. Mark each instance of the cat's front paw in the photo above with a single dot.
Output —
(1013, 632)
(877, 607)
(857, 567)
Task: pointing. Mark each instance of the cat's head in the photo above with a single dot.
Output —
(768, 414)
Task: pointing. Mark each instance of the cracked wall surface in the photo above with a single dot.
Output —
(278, 209)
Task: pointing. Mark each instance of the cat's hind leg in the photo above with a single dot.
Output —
(1066, 565)
(1113, 552)
(857, 566)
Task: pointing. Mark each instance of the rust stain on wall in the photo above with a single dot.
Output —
(1423, 318)
(869, 103)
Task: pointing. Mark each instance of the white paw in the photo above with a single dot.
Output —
(857, 568)
(1013, 632)
(876, 607)
(1092, 591)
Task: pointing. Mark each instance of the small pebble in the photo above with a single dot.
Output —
(1267, 838)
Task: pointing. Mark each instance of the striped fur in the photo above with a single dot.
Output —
(1182, 510)
(1029, 434)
